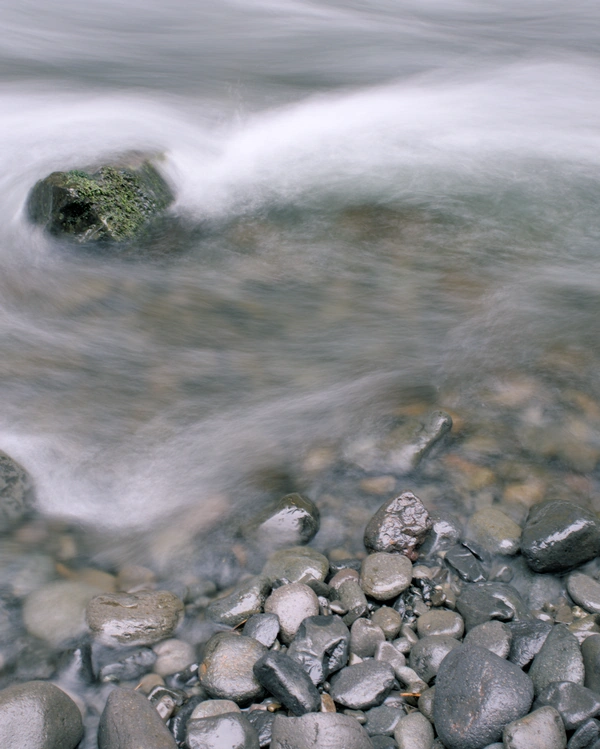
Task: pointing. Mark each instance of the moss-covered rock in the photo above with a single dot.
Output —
(112, 202)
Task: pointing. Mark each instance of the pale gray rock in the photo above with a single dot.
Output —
(495, 531)
(414, 731)
(210, 708)
(440, 622)
(228, 731)
(541, 729)
(493, 635)
(585, 591)
(227, 672)
(559, 659)
(299, 564)
(292, 604)
(319, 731)
(56, 613)
(384, 576)
(129, 721)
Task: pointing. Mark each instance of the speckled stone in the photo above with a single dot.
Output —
(494, 636)
(362, 686)
(227, 672)
(414, 731)
(427, 655)
(495, 531)
(129, 721)
(38, 715)
(319, 731)
(541, 729)
(292, 604)
(585, 591)
(586, 736)
(476, 695)
(440, 622)
(141, 618)
(559, 659)
(298, 564)
(399, 525)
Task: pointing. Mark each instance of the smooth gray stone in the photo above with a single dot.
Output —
(292, 604)
(440, 622)
(16, 496)
(288, 682)
(129, 721)
(389, 620)
(247, 599)
(262, 627)
(353, 599)
(465, 564)
(321, 646)
(427, 655)
(414, 731)
(228, 731)
(585, 591)
(383, 720)
(365, 637)
(586, 736)
(292, 520)
(559, 659)
(298, 564)
(558, 535)
(445, 532)
(476, 695)
(38, 715)
(541, 729)
(575, 703)
(387, 652)
(527, 640)
(384, 576)
(590, 650)
(482, 602)
(495, 531)
(229, 662)
(319, 731)
(400, 525)
(384, 742)
(362, 686)
(493, 635)
(142, 618)
(425, 703)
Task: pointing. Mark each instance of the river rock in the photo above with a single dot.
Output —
(362, 686)
(476, 695)
(352, 600)
(227, 672)
(384, 576)
(383, 720)
(590, 651)
(440, 622)
(112, 202)
(445, 532)
(262, 721)
(559, 659)
(585, 591)
(558, 535)
(129, 721)
(16, 497)
(262, 627)
(466, 564)
(38, 715)
(321, 646)
(586, 736)
(388, 619)
(414, 731)
(141, 618)
(298, 564)
(400, 525)
(541, 729)
(229, 731)
(288, 682)
(247, 599)
(210, 708)
(291, 521)
(427, 655)
(492, 635)
(365, 637)
(173, 656)
(575, 703)
(527, 640)
(292, 604)
(495, 531)
(319, 731)
(482, 602)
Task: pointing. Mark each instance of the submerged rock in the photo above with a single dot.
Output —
(15, 492)
(112, 202)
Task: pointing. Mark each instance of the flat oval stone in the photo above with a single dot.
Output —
(542, 728)
(364, 685)
(476, 695)
(401, 525)
(384, 576)
(558, 536)
(288, 682)
(559, 659)
(292, 604)
(493, 635)
(585, 591)
(321, 646)
(141, 618)
(295, 565)
(38, 715)
(440, 622)
(590, 651)
(427, 655)
(262, 627)
(229, 731)
(319, 731)
(247, 599)
(495, 531)
(227, 671)
(173, 656)
(129, 721)
(389, 620)
(414, 731)
(575, 703)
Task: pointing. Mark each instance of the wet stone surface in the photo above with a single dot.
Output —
(399, 525)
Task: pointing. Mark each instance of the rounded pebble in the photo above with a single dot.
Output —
(494, 636)
(362, 686)
(319, 731)
(227, 671)
(210, 708)
(292, 604)
(297, 564)
(440, 622)
(384, 576)
(229, 731)
(414, 731)
(495, 531)
(173, 655)
(541, 729)
(427, 655)
(585, 591)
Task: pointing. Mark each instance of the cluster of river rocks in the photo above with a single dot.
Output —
(439, 636)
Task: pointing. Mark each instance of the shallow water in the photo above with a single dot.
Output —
(381, 208)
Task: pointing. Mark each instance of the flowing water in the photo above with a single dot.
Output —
(382, 208)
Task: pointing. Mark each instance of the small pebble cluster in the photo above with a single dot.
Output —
(439, 636)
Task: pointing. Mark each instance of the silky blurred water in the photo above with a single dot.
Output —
(377, 203)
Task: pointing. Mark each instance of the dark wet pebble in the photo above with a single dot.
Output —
(365, 637)
(262, 627)
(476, 695)
(344, 564)
(298, 564)
(585, 591)
(542, 728)
(575, 703)
(16, 498)
(362, 686)
(321, 646)
(387, 653)
(182, 679)
(559, 535)
(446, 531)
(482, 602)
(228, 731)
(319, 731)
(354, 601)
(38, 715)
(559, 659)
(586, 736)
(129, 721)
(142, 618)
(228, 667)
(124, 664)
(262, 720)
(440, 622)
(384, 576)
(400, 525)
(493, 635)
(427, 655)
(389, 620)
(179, 721)
(527, 640)
(291, 521)
(288, 682)
(383, 742)
(590, 650)
(465, 564)
(247, 599)
(383, 720)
